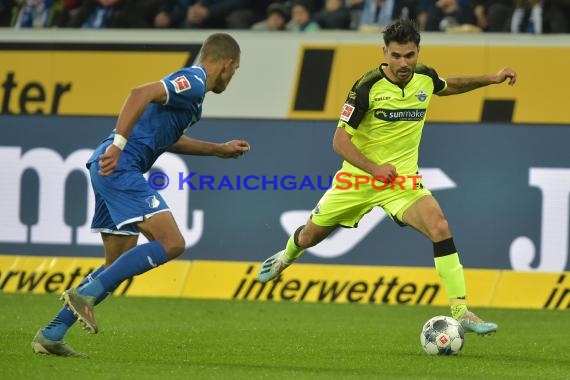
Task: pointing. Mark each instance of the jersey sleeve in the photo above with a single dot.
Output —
(354, 108)
(183, 87)
(439, 84)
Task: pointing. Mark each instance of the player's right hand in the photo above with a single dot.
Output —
(385, 171)
(109, 160)
(507, 73)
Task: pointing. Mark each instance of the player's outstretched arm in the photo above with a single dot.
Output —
(459, 85)
(189, 146)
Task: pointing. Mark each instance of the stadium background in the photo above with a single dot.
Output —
(496, 158)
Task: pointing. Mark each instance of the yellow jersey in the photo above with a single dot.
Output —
(386, 120)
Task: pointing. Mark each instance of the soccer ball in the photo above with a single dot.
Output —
(442, 335)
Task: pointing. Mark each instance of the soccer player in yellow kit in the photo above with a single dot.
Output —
(378, 137)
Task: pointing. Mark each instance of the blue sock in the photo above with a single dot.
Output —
(135, 261)
(64, 319)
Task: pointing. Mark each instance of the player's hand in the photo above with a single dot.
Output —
(233, 149)
(507, 73)
(387, 171)
(109, 160)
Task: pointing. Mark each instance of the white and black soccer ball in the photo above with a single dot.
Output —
(442, 335)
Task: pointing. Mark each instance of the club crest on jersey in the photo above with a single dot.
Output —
(180, 84)
(152, 201)
(346, 113)
(421, 95)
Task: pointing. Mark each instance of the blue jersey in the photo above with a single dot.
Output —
(161, 125)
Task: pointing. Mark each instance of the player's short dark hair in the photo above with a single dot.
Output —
(220, 46)
(402, 31)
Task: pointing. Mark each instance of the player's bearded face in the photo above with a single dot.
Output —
(402, 60)
(226, 75)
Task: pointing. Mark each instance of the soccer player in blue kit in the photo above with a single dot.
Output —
(152, 121)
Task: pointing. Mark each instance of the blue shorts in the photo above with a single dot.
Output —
(121, 200)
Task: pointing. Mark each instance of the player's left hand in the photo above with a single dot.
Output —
(507, 73)
(233, 149)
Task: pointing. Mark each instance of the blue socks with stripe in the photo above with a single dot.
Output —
(135, 261)
(103, 282)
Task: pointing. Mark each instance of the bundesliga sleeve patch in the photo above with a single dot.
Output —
(346, 113)
(180, 84)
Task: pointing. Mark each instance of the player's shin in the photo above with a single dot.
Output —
(135, 261)
(292, 249)
(451, 274)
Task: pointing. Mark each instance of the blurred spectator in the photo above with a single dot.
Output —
(36, 13)
(557, 16)
(378, 13)
(70, 9)
(302, 17)
(6, 9)
(334, 15)
(535, 16)
(92, 14)
(218, 14)
(172, 14)
(493, 15)
(527, 17)
(423, 9)
(277, 17)
(245, 18)
(39, 13)
(448, 14)
(115, 14)
(355, 9)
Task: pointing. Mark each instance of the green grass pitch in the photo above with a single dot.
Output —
(150, 338)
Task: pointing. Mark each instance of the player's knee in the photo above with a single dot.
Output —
(175, 247)
(109, 261)
(306, 239)
(439, 229)
(303, 242)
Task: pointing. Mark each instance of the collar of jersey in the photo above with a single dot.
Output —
(201, 69)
